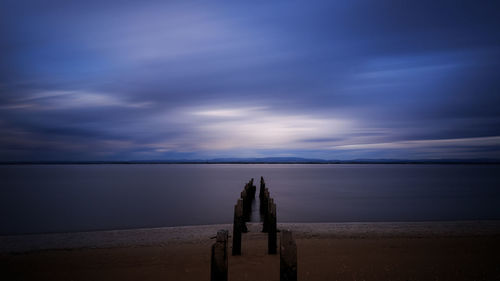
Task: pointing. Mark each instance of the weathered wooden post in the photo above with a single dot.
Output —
(237, 227)
(219, 264)
(272, 228)
(244, 197)
(247, 195)
(288, 257)
(250, 188)
(262, 187)
(264, 204)
(253, 188)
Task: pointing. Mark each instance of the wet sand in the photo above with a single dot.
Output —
(356, 251)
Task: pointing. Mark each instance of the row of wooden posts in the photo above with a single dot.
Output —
(242, 214)
(268, 215)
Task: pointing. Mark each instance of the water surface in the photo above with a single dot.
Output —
(61, 198)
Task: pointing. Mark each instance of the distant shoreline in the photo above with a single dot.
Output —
(326, 162)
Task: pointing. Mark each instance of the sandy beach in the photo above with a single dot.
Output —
(327, 251)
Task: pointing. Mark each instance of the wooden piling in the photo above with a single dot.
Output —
(219, 261)
(247, 205)
(248, 195)
(264, 209)
(288, 257)
(262, 187)
(272, 228)
(253, 189)
(238, 224)
(243, 197)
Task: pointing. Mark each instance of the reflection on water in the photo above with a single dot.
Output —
(55, 198)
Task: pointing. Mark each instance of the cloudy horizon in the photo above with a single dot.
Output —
(124, 80)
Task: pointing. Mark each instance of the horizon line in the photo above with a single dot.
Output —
(262, 160)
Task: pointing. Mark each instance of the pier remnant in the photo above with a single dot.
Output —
(288, 257)
(238, 227)
(219, 262)
(242, 213)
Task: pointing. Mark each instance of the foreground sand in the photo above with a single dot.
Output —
(383, 251)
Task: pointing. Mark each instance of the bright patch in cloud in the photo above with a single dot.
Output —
(223, 128)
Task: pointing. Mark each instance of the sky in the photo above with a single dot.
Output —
(163, 80)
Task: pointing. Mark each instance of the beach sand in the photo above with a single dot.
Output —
(332, 251)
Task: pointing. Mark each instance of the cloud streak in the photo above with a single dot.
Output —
(54, 100)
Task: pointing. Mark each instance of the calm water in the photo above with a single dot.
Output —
(57, 198)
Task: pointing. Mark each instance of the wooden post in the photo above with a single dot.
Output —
(264, 204)
(219, 264)
(244, 197)
(262, 187)
(272, 230)
(252, 188)
(247, 188)
(247, 206)
(288, 257)
(237, 227)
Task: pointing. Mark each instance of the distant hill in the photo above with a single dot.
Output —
(291, 160)
(270, 160)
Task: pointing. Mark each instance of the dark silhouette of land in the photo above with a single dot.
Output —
(265, 160)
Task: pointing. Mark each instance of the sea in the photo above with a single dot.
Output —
(75, 198)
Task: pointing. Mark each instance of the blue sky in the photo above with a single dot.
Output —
(135, 80)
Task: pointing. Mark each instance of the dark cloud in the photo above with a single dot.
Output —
(192, 79)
